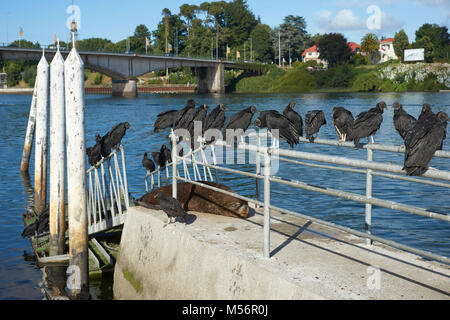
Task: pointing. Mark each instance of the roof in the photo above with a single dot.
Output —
(353, 46)
(314, 48)
(387, 40)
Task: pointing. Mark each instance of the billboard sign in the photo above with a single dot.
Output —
(414, 55)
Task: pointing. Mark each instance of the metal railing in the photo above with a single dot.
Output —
(108, 197)
(367, 167)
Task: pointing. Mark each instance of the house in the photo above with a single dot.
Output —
(312, 53)
(387, 50)
(354, 47)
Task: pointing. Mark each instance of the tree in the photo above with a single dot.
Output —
(334, 49)
(438, 36)
(92, 44)
(141, 33)
(370, 45)
(427, 44)
(239, 20)
(166, 14)
(189, 12)
(401, 43)
(293, 36)
(262, 44)
(25, 44)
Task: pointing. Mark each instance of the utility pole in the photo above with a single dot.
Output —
(212, 49)
(290, 56)
(251, 50)
(245, 56)
(217, 44)
(279, 48)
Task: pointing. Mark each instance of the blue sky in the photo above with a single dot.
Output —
(115, 20)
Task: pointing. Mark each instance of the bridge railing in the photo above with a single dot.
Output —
(108, 198)
(269, 153)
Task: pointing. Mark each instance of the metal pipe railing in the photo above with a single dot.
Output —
(367, 167)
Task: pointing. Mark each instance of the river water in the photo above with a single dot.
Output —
(21, 279)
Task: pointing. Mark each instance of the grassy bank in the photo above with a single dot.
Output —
(308, 77)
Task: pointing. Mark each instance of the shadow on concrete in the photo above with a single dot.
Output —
(302, 229)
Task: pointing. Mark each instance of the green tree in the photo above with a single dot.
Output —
(427, 44)
(334, 49)
(370, 45)
(141, 33)
(293, 36)
(189, 12)
(14, 69)
(262, 43)
(239, 20)
(25, 44)
(401, 43)
(166, 14)
(92, 44)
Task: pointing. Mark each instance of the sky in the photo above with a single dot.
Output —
(116, 20)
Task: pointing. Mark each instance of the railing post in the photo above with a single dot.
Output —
(174, 165)
(258, 168)
(368, 216)
(57, 156)
(76, 177)
(29, 136)
(40, 159)
(266, 203)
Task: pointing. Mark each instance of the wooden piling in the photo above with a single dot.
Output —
(57, 158)
(40, 169)
(29, 136)
(76, 176)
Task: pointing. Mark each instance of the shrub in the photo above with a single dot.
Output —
(97, 79)
(367, 82)
(29, 76)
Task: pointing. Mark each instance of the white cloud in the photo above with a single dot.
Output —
(345, 20)
(442, 5)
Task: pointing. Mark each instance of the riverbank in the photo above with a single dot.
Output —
(390, 76)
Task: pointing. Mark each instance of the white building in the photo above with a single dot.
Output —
(387, 50)
(312, 53)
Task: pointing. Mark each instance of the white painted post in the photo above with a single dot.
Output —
(76, 174)
(29, 136)
(57, 156)
(40, 169)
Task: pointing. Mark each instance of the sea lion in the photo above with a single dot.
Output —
(200, 199)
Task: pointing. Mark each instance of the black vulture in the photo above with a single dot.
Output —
(261, 120)
(39, 226)
(441, 114)
(343, 123)
(162, 157)
(368, 122)
(314, 120)
(185, 115)
(95, 153)
(426, 111)
(216, 118)
(276, 121)
(295, 118)
(148, 164)
(200, 116)
(166, 120)
(403, 121)
(422, 141)
(240, 120)
(171, 207)
(113, 138)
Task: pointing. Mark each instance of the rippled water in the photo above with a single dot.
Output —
(19, 277)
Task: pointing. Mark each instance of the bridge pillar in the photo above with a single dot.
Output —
(124, 88)
(211, 79)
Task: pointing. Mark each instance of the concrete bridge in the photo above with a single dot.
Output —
(125, 68)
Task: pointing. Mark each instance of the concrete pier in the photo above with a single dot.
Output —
(215, 257)
(124, 88)
(211, 79)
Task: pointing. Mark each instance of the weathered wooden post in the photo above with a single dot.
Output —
(40, 169)
(29, 136)
(267, 166)
(76, 177)
(57, 158)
